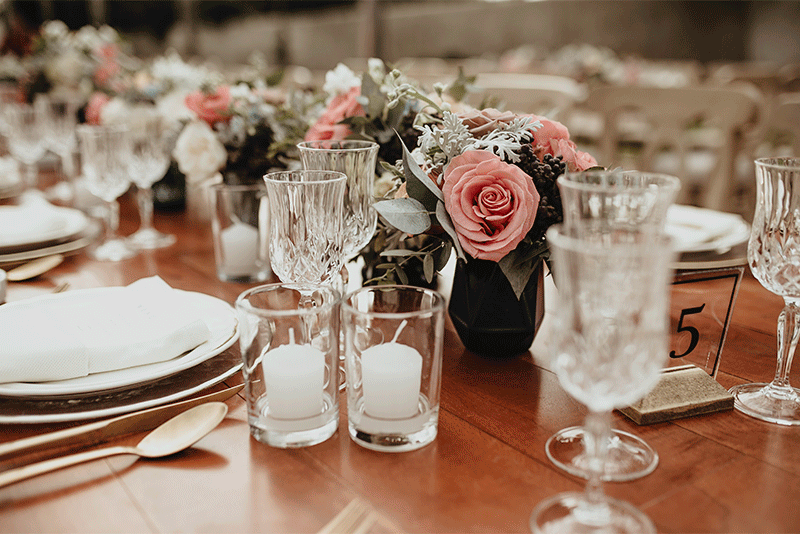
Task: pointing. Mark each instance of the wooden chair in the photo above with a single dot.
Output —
(643, 123)
(541, 94)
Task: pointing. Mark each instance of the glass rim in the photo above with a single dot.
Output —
(791, 163)
(557, 236)
(255, 186)
(243, 304)
(667, 181)
(437, 306)
(359, 145)
(336, 176)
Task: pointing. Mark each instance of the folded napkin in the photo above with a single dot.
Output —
(32, 219)
(81, 332)
(691, 227)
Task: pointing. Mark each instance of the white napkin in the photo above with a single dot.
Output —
(691, 227)
(32, 219)
(9, 171)
(81, 332)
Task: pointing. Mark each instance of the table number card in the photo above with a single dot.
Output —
(702, 306)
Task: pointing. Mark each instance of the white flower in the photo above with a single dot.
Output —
(55, 29)
(172, 107)
(198, 152)
(117, 111)
(340, 80)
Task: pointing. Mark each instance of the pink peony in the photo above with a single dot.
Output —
(327, 127)
(492, 204)
(553, 138)
(94, 107)
(211, 107)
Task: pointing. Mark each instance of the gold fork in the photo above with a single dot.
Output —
(355, 518)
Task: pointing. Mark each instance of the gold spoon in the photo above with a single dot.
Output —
(34, 268)
(178, 433)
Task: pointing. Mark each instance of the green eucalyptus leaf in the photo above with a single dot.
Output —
(401, 253)
(428, 267)
(418, 184)
(372, 91)
(402, 276)
(406, 214)
(442, 255)
(517, 270)
(444, 220)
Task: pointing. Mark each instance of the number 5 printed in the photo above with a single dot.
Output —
(693, 332)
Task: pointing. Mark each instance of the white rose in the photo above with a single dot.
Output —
(172, 107)
(198, 152)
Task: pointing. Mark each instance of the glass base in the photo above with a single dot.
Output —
(298, 438)
(150, 238)
(768, 403)
(570, 512)
(112, 250)
(393, 435)
(629, 457)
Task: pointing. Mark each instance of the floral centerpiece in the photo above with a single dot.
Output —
(241, 131)
(483, 183)
(370, 107)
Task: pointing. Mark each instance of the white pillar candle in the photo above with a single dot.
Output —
(295, 378)
(391, 375)
(239, 249)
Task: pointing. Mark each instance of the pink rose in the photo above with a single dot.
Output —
(575, 159)
(492, 204)
(94, 107)
(481, 122)
(553, 138)
(327, 127)
(211, 107)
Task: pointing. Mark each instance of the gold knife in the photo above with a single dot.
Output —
(93, 433)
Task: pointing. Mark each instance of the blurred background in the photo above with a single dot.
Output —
(319, 33)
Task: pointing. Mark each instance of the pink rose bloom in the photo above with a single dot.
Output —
(211, 107)
(327, 127)
(481, 122)
(575, 159)
(492, 204)
(553, 138)
(94, 107)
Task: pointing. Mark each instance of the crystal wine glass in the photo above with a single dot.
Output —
(306, 219)
(26, 138)
(773, 253)
(105, 156)
(150, 159)
(610, 337)
(603, 200)
(357, 160)
(61, 120)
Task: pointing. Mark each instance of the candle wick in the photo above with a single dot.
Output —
(291, 336)
(399, 329)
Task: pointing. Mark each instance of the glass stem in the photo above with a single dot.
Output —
(788, 333)
(113, 220)
(144, 197)
(596, 440)
(31, 175)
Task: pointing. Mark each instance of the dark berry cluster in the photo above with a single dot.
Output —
(544, 174)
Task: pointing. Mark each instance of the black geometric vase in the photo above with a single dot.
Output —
(486, 313)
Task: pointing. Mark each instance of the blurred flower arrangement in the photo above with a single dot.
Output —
(482, 182)
(72, 63)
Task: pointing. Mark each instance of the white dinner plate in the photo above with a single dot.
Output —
(700, 229)
(66, 223)
(172, 388)
(218, 315)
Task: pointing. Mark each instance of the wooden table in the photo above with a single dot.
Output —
(485, 471)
